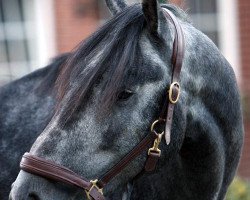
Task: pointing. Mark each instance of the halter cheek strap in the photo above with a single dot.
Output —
(173, 93)
(47, 169)
(174, 89)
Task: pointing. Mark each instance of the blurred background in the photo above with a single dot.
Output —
(34, 31)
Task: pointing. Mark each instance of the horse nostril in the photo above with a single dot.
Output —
(33, 196)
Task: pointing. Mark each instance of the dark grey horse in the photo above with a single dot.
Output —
(95, 104)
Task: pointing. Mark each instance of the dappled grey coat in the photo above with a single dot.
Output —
(93, 105)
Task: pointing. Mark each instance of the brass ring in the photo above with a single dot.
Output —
(153, 125)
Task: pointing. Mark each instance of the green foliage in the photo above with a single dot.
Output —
(238, 190)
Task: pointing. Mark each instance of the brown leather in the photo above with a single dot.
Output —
(168, 107)
(142, 146)
(152, 160)
(177, 60)
(95, 194)
(50, 170)
(47, 169)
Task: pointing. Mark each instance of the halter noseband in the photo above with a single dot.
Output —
(47, 169)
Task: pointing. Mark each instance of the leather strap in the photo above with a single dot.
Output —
(177, 60)
(151, 162)
(142, 146)
(174, 90)
(47, 169)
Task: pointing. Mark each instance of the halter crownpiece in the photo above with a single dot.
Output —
(47, 169)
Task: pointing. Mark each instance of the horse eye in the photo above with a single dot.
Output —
(125, 95)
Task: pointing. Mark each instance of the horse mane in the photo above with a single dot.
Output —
(114, 48)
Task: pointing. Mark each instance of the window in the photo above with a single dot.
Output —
(204, 15)
(17, 37)
(211, 17)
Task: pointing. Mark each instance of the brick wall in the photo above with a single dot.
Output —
(244, 25)
(180, 3)
(75, 20)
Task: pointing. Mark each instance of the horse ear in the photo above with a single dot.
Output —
(116, 6)
(153, 14)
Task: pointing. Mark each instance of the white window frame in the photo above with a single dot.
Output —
(229, 33)
(45, 31)
(227, 28)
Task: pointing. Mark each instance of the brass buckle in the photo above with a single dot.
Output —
(157, 140)
(94, 185)
(170, 93)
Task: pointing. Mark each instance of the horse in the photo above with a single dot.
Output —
(93, 105)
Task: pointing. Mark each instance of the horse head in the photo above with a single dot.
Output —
(111, 89)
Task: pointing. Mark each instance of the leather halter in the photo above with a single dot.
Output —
(47, 169)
